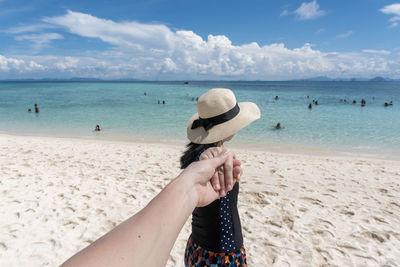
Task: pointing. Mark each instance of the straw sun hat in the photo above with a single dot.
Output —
(219, 116)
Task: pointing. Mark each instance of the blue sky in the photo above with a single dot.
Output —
(209, 39)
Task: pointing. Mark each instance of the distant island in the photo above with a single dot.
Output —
(380, 79)
(312, 79)
(327, 79)
(73, 79)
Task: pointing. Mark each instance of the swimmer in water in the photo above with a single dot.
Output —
(363, 103)
(97, 129)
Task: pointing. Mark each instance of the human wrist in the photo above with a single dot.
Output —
(188, 189)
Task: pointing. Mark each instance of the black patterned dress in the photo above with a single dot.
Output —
(216, 238)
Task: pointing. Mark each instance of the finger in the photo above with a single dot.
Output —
(215, 182)
(219, 160)
(237, 171)
(222, 191)
(205, 155)
(213, 152)
(216, 151)
(228, 172)
(236, 162)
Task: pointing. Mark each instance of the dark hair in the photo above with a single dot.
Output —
(192, 152)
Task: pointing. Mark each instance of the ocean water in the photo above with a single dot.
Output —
(73, 109)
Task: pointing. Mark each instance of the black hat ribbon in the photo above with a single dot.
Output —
(208, 123)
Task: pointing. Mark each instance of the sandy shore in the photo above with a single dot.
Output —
(58, 195)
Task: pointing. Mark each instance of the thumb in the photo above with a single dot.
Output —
(218, 161)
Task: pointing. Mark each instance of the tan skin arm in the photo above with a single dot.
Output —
(146, 238)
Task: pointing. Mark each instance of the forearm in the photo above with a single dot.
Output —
(154, 229)
(171, 208)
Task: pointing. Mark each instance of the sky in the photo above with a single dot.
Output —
(199, 40)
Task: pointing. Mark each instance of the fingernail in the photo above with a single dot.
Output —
(217, 186)
(222, 192)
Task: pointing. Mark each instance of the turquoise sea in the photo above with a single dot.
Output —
(72, 109)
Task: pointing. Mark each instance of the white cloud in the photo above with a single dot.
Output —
(344, 35)
(309, 10)
(29, 28)
(372, 51)
(149, 51)
(41, 39)
(7, 63)
(394, 21)
(126, 34)
(393, 9)
(285, 13)
(12, 64)
(67, 63)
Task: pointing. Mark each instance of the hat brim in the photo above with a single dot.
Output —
(249, 112)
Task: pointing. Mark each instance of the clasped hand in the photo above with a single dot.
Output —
(214, 175)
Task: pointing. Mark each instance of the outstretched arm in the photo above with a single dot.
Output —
(147, 238)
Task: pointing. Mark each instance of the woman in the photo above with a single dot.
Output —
(216, 231)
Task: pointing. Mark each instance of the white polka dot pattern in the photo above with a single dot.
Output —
(227, 240)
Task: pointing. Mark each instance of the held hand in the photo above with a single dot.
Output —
(198, 176)
(227, 175)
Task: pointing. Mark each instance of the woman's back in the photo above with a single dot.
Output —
(216, 230)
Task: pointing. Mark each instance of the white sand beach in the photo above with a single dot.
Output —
(58, 195)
